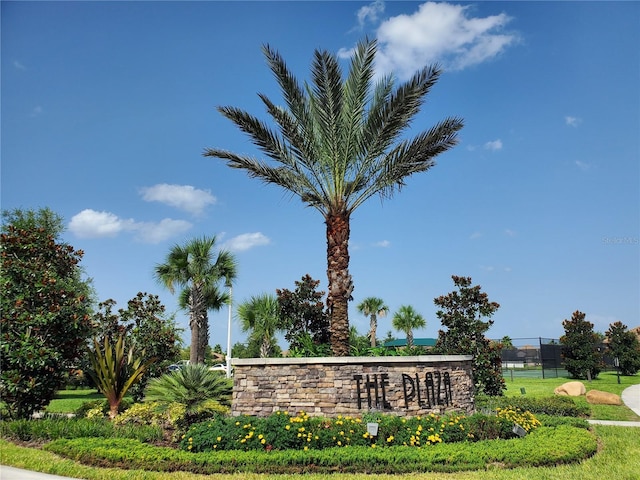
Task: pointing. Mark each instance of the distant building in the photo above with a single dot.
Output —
(417, 342)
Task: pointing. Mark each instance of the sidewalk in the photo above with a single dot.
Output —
(630, 397)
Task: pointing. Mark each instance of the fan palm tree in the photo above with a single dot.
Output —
(194, 386)
(193, 268)
(373, 307)
(336, 144)
(406, 319)
(260, 317)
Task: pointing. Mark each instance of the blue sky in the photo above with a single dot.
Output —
(108, 106)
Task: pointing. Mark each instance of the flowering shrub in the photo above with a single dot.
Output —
(525, 419)
(282, 431)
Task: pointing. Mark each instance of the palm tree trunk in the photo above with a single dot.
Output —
(195, 338)
(340, 282)
(199, 324)
(203, 337)
(113, 410)
(409, 338)
(265, 347)
(373, 326)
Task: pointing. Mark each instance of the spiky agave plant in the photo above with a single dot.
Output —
(115, 370)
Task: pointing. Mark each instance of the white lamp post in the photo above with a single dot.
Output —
(229, 334)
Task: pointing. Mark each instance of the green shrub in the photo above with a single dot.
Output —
(553, 405)
(51, 428)
(281, 431)
(515, 415)
(555, 421)
(543, 447)
(100, 408)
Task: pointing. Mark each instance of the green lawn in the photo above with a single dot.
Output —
(608, 382)
(619, 459)
(68, 401)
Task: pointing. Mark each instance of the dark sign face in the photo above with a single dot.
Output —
(434, 390)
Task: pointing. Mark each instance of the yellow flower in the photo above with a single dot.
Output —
(287, 427)
(219, 439)
(263, 441)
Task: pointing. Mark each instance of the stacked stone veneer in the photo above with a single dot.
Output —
(331, 386)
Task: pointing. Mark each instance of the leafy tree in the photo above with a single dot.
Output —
(144, 324)
(115, 370)
(624, 345)
(462, 313)
(192, 268)
(260, 316)
(336, 144)
(194, 386)
(373, 307)
(579, 347)
(302, 314)
(46, 308)
(406, 319)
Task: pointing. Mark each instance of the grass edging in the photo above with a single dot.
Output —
(544, 447)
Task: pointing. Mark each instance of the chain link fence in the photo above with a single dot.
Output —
(540, 358)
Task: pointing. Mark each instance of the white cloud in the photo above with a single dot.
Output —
(494, 145)
(18, 65)
(184, 197)
(582, 166)
(150, 232)
(92, 224)
(572, 121)
(475, 235)
(246, 241)
(440, 33)
(369, 13)
(382, 243)
(510, 233)
(37, 111)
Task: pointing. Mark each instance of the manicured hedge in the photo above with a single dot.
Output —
(545, 446)
(553, 405)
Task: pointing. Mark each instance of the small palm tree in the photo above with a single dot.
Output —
(406, 319)
(115, 371)
(260, 317)
(193, 386)
(336, 144)
(373, 307)
(193, 268)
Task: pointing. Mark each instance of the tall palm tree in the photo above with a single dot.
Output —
(373, 307)
(406, 319)
(193, 268)
(336, 144)
(260, 317)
